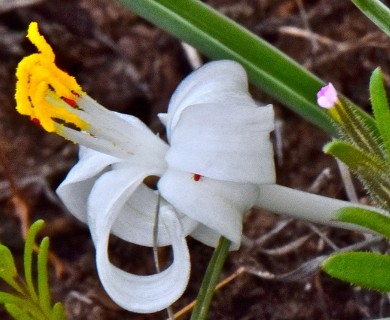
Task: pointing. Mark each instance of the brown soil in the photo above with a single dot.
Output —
(130, 66)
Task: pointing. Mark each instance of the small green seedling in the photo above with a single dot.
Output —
(29, 301)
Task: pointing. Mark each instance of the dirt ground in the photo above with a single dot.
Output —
(130, 66)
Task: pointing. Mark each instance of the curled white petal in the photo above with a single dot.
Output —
(219, 205)
(215, 82)
(75, 189)
(225, 141)
(120, 196)
(143, 294)
(135, 221)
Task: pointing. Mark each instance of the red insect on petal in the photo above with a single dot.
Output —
(71, 102)
(36, 121)
(196, 177)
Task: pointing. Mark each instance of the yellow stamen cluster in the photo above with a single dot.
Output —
(38, 78)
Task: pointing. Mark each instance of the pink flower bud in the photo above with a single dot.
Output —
(327, 97)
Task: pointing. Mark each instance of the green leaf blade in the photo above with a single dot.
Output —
(43, 281)
(366, 218)
(22, 303)
(17, 313)
(8, 271)
(28, 257)
(377, 12)
(353, 157)
(210, 280)
(365, 269)
(220, 38)
(58, 312)
(380, 107)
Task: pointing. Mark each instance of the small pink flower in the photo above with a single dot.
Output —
(327, 96)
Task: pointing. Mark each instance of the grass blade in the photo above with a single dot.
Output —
(210, 280)
(377, 12)
(221, 38)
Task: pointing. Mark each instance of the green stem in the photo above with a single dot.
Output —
(210, 279)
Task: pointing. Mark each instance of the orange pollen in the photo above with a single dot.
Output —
(71, 102)
(196, 177)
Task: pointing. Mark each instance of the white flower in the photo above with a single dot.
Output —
(218, 154)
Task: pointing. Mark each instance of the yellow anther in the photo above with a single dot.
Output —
(38, 79)
(40, 42)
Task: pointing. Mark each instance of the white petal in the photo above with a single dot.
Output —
(135, 221)
(163, 118)
(209, 237)
(225, 142)
(120, 195)
(143, 294)
(219, 205)
(75, 189)
(215, 82)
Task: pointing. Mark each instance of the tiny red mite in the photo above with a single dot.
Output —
(196, 177)
(71, 102)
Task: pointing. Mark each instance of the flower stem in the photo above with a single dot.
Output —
(210, 279)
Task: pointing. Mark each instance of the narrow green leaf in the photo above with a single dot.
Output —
(380, 107)
(210, 280)
(17, 313)
(365, 269)
(28, 257)
(366, 218)
(10, 298)
(27, 305)
(43, 278)
(377, 12)
(7, 264)
(353, 157)
(8, 270)
(221, 38)
(58, 312)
